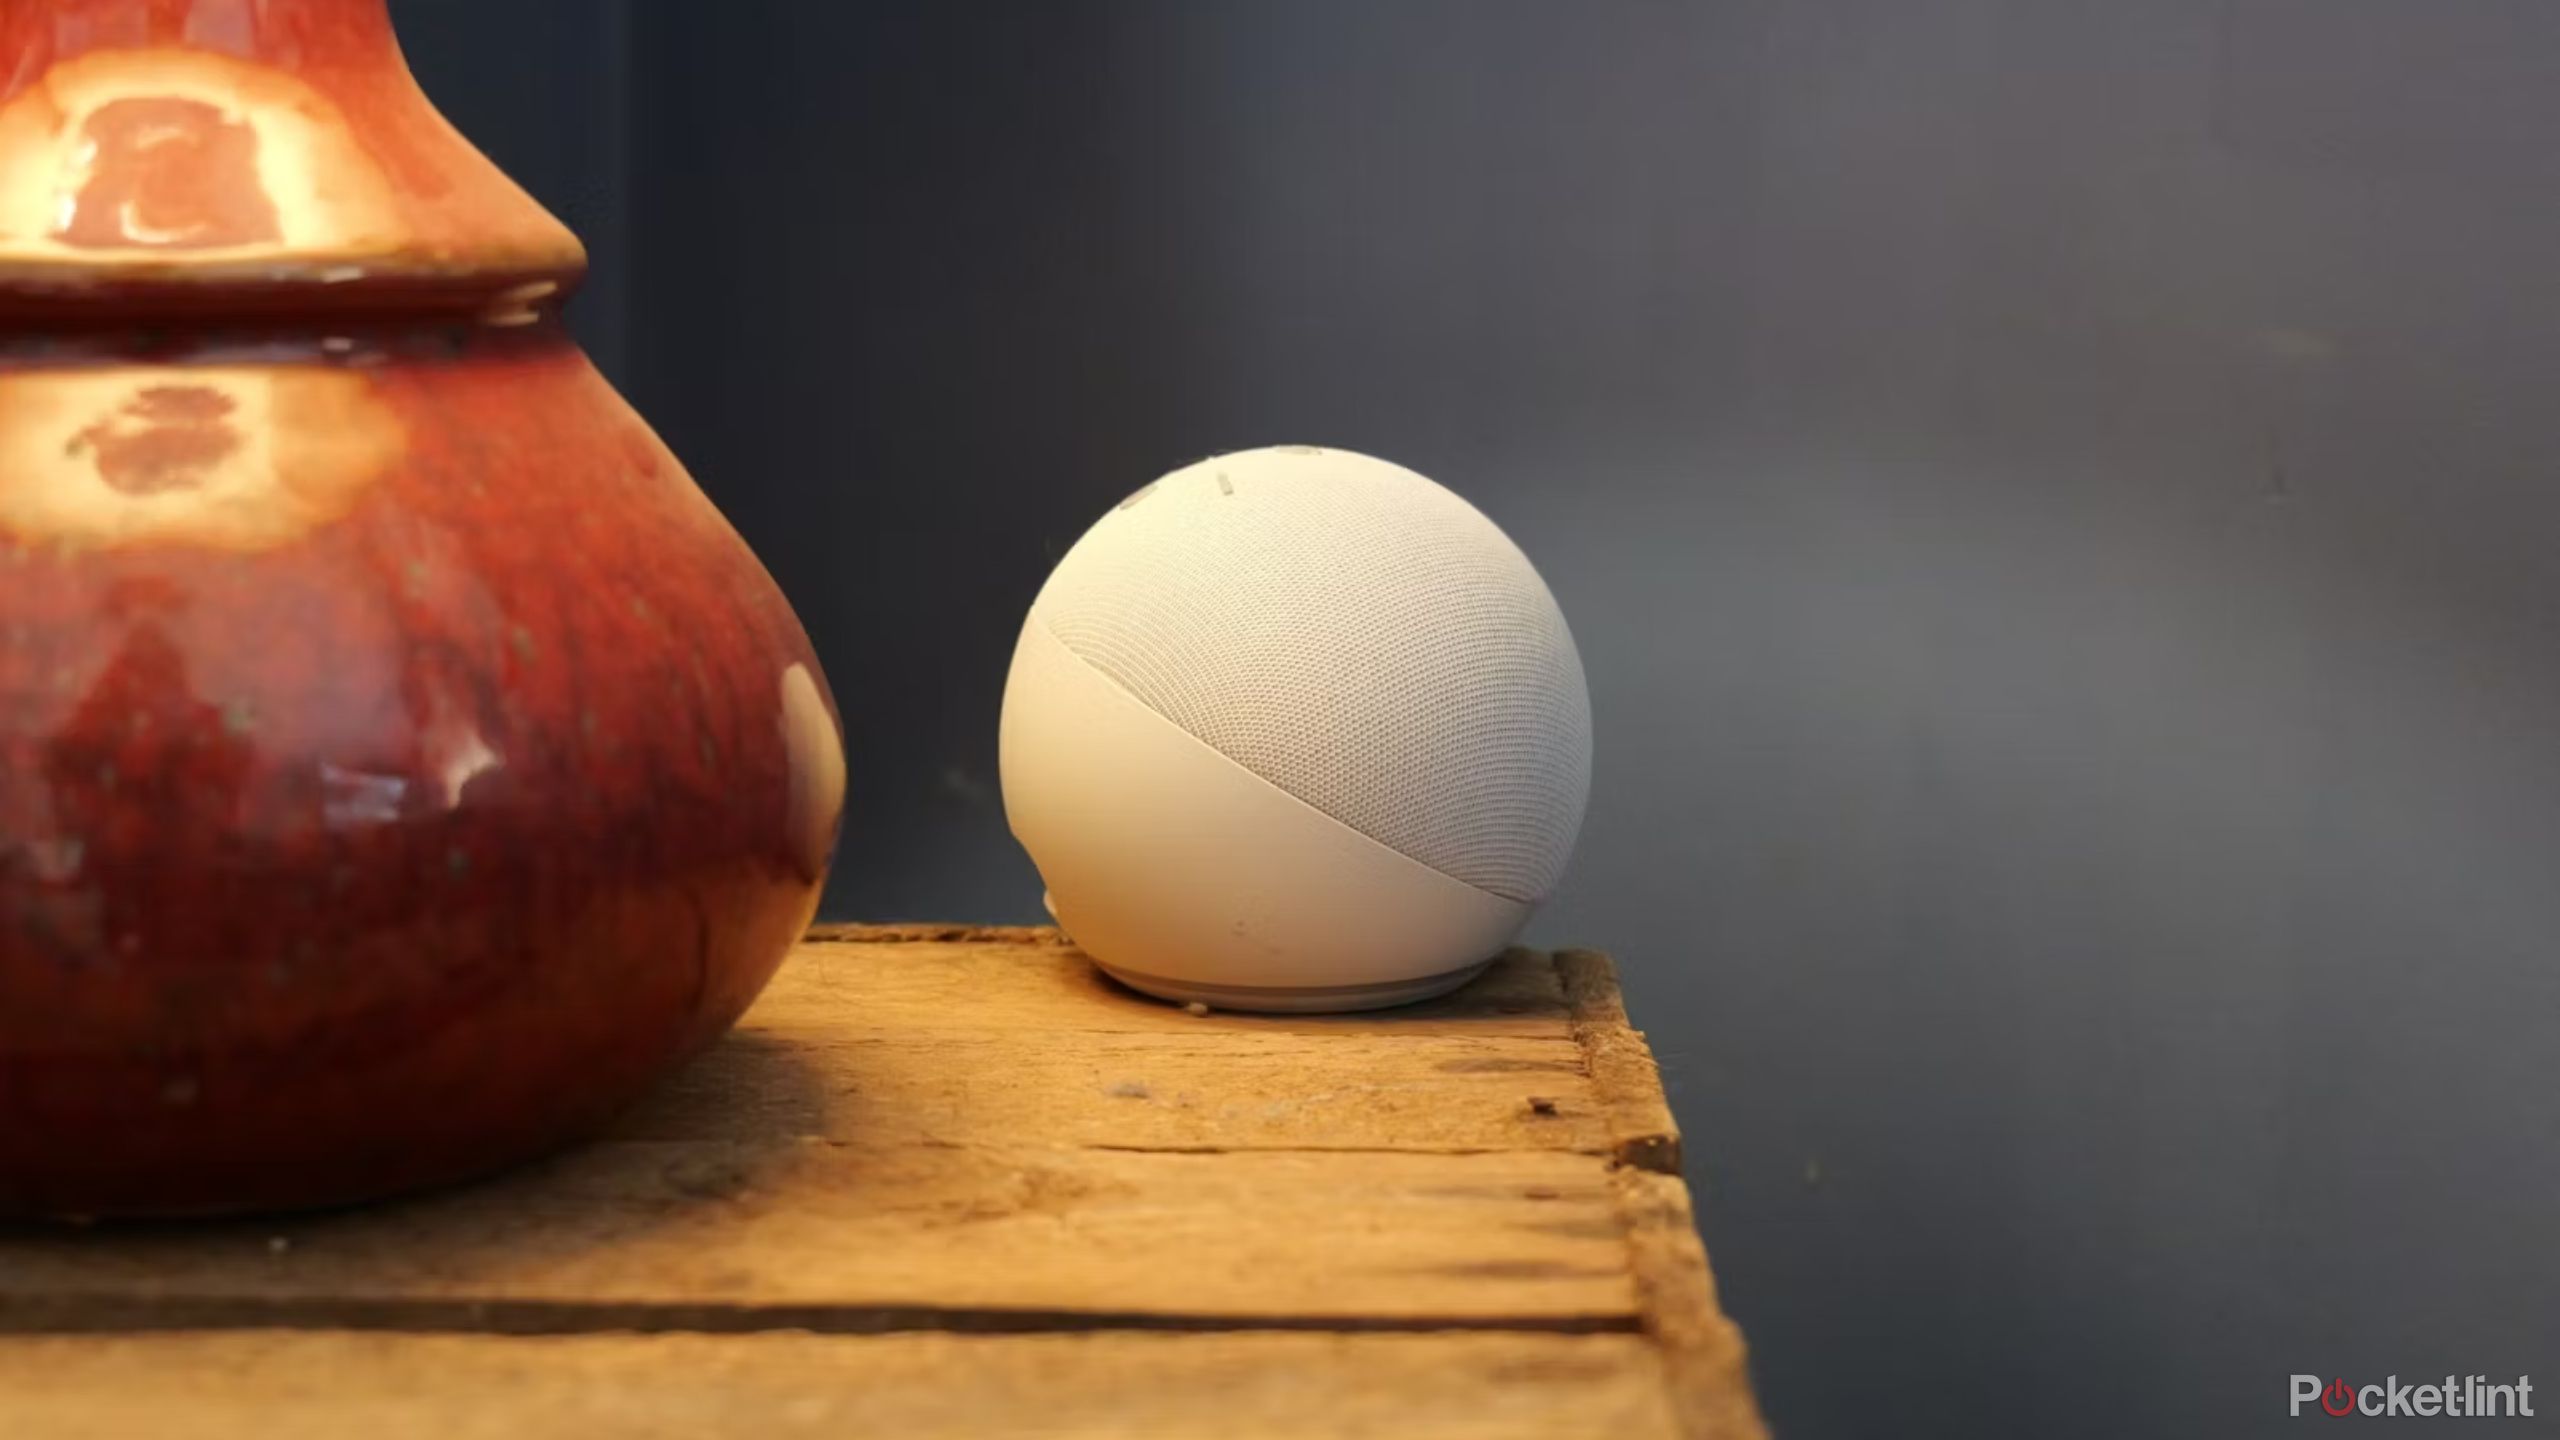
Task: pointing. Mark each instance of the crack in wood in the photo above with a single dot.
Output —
(74, 1314)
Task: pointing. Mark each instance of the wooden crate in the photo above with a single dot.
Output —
(948, 1182)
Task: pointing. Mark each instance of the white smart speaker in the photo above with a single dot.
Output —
(1295, 729)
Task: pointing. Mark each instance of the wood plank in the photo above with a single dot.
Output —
(1702, 1349)
(699, 1227)
(987, 979)
(296, 1386)
(964, 1138)
(931, 1047)
(982, 1125)
(948, 1054)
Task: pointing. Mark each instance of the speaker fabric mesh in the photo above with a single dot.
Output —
(1356, 635)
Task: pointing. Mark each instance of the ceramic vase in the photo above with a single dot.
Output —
(402, 763)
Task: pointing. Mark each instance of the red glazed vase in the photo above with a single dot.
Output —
(401, 761)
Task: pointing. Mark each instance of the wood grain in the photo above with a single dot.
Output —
(954, 1152)
(1702, 1350)
(990, 982)
(293, 1386)
(992, 1042)
(859, 1230)
(1625, 1084)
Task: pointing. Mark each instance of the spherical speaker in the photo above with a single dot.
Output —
(1295, 729)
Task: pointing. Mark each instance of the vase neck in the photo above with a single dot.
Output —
(286, 35)
(257, 154)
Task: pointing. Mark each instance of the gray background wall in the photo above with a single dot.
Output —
(2057, 501)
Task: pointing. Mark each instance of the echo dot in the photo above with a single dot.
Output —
(1295, 729)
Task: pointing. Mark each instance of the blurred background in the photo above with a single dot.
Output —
(2057, 501)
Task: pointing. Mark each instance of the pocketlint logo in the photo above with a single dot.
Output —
(2470, 1395)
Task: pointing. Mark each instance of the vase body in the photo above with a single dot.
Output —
(401, 762)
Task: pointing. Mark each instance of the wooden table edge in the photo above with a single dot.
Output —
(1703, 1352)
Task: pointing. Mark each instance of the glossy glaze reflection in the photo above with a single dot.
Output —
(401, 762)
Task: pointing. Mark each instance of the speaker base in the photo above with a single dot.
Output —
(1296, 1000)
